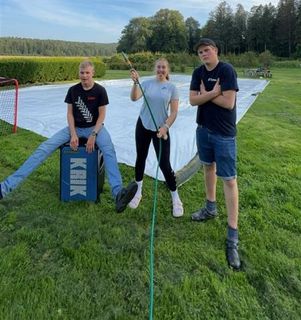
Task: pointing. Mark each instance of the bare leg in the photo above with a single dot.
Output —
(231, 197)
(210, 181)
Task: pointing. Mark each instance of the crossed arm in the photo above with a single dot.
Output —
(224, 99)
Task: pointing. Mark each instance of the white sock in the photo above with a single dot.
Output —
(139, 190)
(175, 196)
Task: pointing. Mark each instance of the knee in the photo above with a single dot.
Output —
(106, 148)
(210, 168)
(230, 183)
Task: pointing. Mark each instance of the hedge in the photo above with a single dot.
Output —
(41, 70)
(180, 61)
(145, 61)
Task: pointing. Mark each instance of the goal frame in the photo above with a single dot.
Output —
(11, 81)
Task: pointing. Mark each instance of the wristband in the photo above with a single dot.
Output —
(166, 126)
(94, 134)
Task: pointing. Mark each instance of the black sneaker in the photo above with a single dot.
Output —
(203, 215)
(1, 196)
(232, 255)
(125, 195)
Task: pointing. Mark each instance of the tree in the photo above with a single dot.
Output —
(135, 36)
(268, 26)
(240, 30)
(24, 46)
(298, 31)
(209, 28)
(193, 33)
(285, 34)
(261, 24)
(254, 28)
(168, 32)
(220, 26)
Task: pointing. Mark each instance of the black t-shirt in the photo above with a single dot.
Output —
(210, 115)
(85, 103)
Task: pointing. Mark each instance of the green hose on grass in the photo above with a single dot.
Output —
(154, 210)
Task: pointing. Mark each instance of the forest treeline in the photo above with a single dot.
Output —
(36, 47)
(276, 29)
(265, 27)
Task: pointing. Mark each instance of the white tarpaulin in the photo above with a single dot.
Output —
(42, 110)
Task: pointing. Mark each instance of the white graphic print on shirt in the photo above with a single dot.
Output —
(84, 110)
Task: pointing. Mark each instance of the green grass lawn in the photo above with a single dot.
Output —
(80, 260)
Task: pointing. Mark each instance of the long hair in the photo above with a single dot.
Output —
(167, 64)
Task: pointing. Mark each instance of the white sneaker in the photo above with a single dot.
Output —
(134, 203)
(177, 208)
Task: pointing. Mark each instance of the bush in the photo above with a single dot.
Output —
(145, 61)
(248, 59)
(298, 51)
(40, 70)
(182, 68)
(266, 58)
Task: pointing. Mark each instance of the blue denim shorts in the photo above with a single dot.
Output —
(213, 147)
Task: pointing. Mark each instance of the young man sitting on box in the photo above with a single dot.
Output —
(87, 102)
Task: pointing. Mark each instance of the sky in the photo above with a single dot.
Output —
(100, 21)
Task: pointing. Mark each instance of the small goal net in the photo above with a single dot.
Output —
(8, 105)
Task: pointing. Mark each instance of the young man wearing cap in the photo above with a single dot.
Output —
(213, 89)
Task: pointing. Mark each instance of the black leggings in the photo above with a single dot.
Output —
(143, 139)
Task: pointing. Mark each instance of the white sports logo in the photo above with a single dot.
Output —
(84, 110)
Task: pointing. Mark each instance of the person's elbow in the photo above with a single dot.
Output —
(193, 104)
(231, 104)
(192, 101)
(229, 100)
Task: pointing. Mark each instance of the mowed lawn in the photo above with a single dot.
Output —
(80, 260)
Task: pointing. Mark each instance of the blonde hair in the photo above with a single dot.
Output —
(86, 63)
(167, 64)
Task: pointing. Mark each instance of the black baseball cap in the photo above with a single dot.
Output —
(205, 42)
